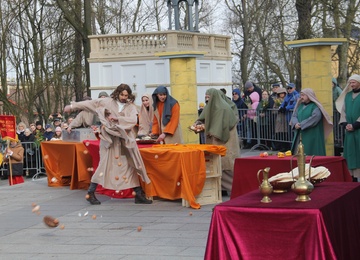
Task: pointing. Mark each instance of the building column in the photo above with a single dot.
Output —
(316, 73)
(183, 86)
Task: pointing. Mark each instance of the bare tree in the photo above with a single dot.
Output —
(39, 53)
(6, 20)
(339, 20)
(240, 18)
(259, 31)
(74, 13)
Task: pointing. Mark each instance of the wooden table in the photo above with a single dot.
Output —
(175, 171)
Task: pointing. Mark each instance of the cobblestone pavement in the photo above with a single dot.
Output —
(116, 229)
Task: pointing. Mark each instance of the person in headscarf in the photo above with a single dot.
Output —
(349, 101)
(220, 117)
(311, 122)
(166, 123)
(146, 115)
(120, 159)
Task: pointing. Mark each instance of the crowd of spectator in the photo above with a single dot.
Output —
(271, 113)
(32, 134)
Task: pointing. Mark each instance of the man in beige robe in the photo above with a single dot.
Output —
(120, 160)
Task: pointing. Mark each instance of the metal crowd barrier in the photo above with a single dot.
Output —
(270, 129)
(33, 163)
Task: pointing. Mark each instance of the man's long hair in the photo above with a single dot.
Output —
(119, 89)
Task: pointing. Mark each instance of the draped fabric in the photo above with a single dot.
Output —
(93, 147)
(245, 170)
(66, 163)
(177, 171)
(324, 228)
(219, 116)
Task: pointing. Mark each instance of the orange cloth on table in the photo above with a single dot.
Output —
(177, 171)
(66, 163)
(217, 149)
(170, 128)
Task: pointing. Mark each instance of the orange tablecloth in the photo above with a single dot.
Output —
(66, 163)
(177, 171)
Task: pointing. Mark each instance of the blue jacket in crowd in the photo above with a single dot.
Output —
(289, 104)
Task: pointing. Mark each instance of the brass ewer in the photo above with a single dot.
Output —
(302, 187)
(265, 187)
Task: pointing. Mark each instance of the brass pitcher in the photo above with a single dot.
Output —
(265, 187)
(302, 187)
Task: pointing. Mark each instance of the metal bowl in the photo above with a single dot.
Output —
(281, 187)
(317, 181)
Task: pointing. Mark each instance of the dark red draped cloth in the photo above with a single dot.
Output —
(93, 148)
(245, 170)
(327, 227)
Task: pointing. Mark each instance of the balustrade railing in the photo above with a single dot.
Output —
(147, 44)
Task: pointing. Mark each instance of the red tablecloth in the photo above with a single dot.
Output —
(245, 170)
(327, 227)
(93, 148)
